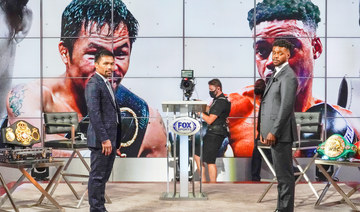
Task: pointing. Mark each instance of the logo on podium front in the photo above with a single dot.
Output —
(185, 126)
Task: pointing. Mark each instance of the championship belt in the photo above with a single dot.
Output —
(21, 133)
(336, 147)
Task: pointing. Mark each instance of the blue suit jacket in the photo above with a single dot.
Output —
(102, 112)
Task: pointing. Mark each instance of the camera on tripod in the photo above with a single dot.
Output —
(187, 83)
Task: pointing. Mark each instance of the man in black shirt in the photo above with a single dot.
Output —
(259, 89)
(216, 118)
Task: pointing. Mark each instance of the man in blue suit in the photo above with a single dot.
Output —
(104, 128)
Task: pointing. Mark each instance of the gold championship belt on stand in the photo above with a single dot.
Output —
(21, 133)
(19, 139)
(336, 147)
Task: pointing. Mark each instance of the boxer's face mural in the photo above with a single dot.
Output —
(5, 32)
(13, 29)
(306, 48)
(6, 58)
(91, 41)
(89, 38)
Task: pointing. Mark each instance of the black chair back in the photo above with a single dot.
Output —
(54, 121)
(310, 122)
(310, 130)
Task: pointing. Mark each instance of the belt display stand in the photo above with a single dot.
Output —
(25, 169)
(181, 120)
(346, 197)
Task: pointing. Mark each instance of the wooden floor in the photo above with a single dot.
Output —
(143, 197)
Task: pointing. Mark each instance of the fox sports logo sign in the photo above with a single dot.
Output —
(185, 126)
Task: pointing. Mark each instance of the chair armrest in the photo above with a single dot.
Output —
(309, 124)
(63, 125)
(58, 124)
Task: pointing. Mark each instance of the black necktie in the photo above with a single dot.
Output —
(274, 79)
(274, 72)
(110, 90)
(113, 97)
(271, 77)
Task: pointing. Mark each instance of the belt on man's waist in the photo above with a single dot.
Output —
(219, 129)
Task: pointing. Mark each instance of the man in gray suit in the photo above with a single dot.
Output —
(104, 128)
(277, 126)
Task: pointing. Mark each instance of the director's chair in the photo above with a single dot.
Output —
(311, 134)
(67, 122)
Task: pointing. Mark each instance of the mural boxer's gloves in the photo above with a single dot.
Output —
(335, 122)
(357, 154)
(134, 120)
(129, 125)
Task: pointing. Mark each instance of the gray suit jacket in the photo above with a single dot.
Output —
(277, 106)
(102, 112)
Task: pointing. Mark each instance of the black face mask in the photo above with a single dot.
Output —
(212, 94)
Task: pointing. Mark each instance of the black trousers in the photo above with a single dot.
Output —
(101, 167)
(282, 161)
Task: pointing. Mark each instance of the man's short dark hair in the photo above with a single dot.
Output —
(284, 43)
(99, 12)
(216, 83)
(14, 10)
(103, 53)
(259, 87)
(269, 10)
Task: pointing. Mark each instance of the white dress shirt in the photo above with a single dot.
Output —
(278, 68)
(108, 86)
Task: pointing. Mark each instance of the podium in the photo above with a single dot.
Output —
(182, 125)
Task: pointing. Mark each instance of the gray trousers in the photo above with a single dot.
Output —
(282, 161)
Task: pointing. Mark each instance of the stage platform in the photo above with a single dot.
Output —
(144, 197)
